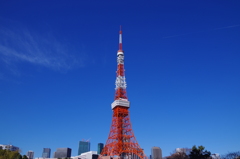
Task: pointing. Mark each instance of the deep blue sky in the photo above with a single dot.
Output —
(58, 65)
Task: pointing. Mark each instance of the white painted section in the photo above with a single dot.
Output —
(122, 102)
(119, 53)
(120, 59)
(120, 82)
(120, 38)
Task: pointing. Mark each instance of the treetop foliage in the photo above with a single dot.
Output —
(199, 153)
(196, 153)
(7, 154)
(231, 155)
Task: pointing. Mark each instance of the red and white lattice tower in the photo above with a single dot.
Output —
(121, 141)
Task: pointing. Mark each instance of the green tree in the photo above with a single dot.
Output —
(14, 155)
(7, 154)
(199, 153)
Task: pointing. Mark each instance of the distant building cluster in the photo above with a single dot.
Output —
(85, 153)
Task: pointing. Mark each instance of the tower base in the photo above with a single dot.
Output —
(121, 141)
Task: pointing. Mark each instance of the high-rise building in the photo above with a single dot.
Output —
(156, 153)
(46, 153)
(121, 140)
(62, 153)
(84, 146)
(30, 154)
(100, 147)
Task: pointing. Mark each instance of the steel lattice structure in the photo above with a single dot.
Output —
(121, 141)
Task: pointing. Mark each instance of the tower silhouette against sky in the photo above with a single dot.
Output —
(121, 141)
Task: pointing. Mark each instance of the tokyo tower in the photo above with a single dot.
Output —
(121, 142)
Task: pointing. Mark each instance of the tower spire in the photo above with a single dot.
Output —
(121, 141)
(120, 39)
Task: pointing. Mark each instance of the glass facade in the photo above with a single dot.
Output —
(84, 146)
(100, 147)
(46, 153)
(30, 154)
(62, 153)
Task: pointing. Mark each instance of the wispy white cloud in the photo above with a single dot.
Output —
(172, 36)
(227, 27)
(18, 46)
(231, 26)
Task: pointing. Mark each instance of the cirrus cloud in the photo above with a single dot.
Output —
(23, 46)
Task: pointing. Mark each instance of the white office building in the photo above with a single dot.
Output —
(9, 147)
(87, 155)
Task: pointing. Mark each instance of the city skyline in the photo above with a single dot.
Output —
(58, 69)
